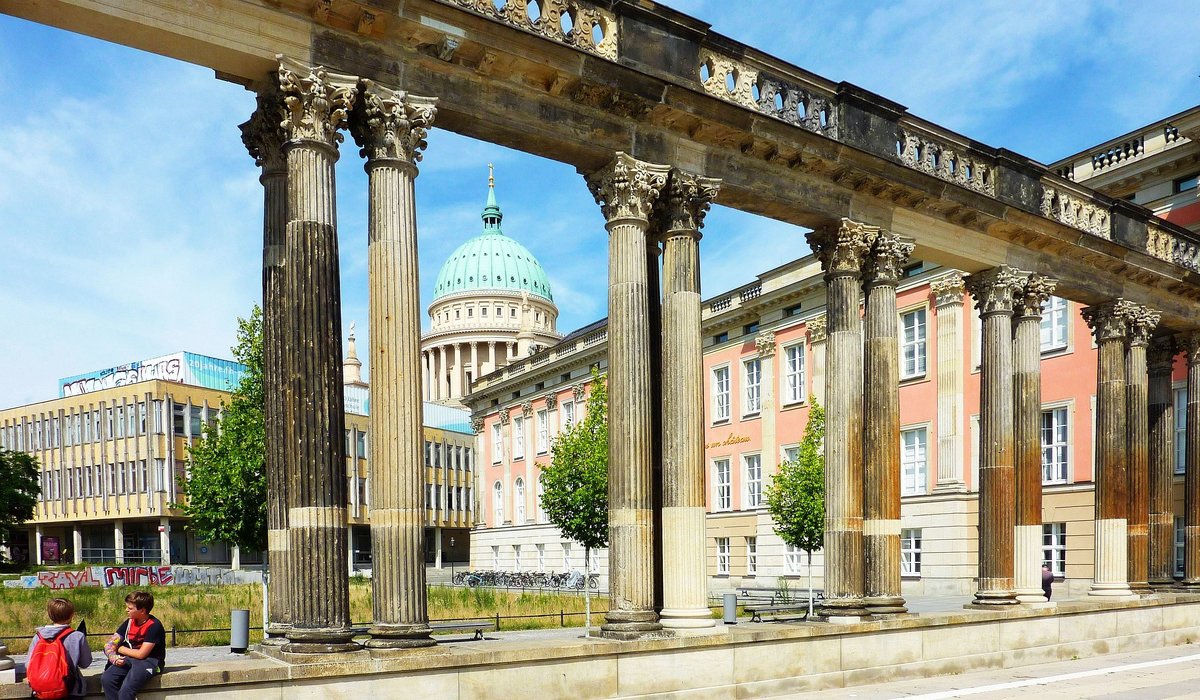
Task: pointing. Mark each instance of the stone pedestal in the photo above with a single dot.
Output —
(1161, 458)
(842, 248)
(626, 190)
(1141, 322)
(994, 292)
(390, 127)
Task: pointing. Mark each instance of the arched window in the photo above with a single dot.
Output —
(498, 504)
(519, 504)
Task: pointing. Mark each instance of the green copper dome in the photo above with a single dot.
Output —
(492, 261)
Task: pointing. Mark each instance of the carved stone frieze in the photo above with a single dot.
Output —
(391, 124)
(551, 401)
(735, 81)
(583, 25)
(948, 290)
(263, 133)
(504, 416)
(1068, 209)
(685, 201)
(818, 328)
(994, 290)
(609, 99)
(1160, 355)
(627, 187)
(943, 162)
(318, 102)
(1032, 295)
(1110, 320)
(764, 343)
(842, 248)
(886, 259)
(1168, 247)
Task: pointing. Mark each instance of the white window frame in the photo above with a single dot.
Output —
(541, 558)
(914, 340)
(1179, 396)
(518, 435)
(751, 556)
(792, 558)
(1055, 323)
(517, 558)
(914, 461)
(788, 453)
(792, 385)
(1054, 547)
(497, 443)
(498, 503)
(519, 501)
(495, 557)
(566, 552)
(1059, 445)
(722, 488)
(751, 386)
(752, 481)
(720, 394)
(543, 432)
(566, 416)
(723, 556)
(910, 552)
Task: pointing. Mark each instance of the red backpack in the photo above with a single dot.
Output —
(47, 670)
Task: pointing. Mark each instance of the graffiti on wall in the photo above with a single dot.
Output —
(110, 576)
(169, 368)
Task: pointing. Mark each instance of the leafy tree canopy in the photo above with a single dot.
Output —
(227, 487)
(19, 489)
(796, 496)
(575, 483)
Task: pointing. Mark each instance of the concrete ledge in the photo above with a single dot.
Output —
(751, 660)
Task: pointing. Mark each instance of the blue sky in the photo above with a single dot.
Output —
(130, 213)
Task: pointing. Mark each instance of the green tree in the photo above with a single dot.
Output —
(19, 489)
(227, 487)
(575, 483)
(796, 496)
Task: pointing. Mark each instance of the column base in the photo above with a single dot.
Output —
(842, 610)
(1030, 596)
(993, 599)
(1141, 588)
(1113, 591)
(885, 605)
(8, 667)
(328, 640)
(627, 625)
(696, 618)
(276, 634)
(400, 637)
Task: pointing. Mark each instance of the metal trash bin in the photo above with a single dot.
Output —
(239, 631)
(730, 608)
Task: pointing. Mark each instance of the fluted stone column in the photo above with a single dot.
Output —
(1111, 329)
(1027, 437)
(654, 312)
(263, 136)
(842, 248)
(1191, 479)
(685, 580)
(626, 190)
(881, 433)
(318, 103)
(993, 291)
(1161, 458)
(948, 294)
(390, 128)
(1142, 323)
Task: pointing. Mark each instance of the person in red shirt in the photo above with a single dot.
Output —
(136, 652)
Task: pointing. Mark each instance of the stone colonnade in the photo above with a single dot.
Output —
(443, 366)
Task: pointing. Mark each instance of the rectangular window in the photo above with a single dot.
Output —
(566, 547)
(495, 557)
(566, 414)
(518, 424)
(793, 376)
(1054, 324)
(1054, 547)
(516, 557)
(912, 344)
(197, 420)
(1186, 184)
(910, 552)
(913, 462)
(541, 558)
(497, 444)
(751, 387)
(1180, 430)
(120, 421)
(1054, 446)
(723, 556)
(361, 444)
(543, 432)
(1180, 545)
(723, 497)
(792, 559)
(720, 338)
(720, 394)
(752, 465)
(751, 556)
(791, 453)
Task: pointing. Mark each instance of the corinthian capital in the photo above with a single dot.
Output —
(685, 201)
(1109, 320)
(391, 124)
(948, 290)
(263, 133)
(1160, 355)
(886, 259)
(318, 102)
(627, 188)
(1141, 321)
(842, 247)
(818, 328)
(1032, 295)
(765, 344)
(995, 290)
(1189, 342)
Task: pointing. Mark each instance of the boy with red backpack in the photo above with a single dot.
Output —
(57, 654)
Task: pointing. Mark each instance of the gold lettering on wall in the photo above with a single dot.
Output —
(731, 440)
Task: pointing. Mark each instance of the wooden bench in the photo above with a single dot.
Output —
(477, 626)
(758, 603)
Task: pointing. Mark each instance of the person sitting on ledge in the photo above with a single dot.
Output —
(136, 651)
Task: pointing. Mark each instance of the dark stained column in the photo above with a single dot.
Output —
(1110, 327)
(685, 581)
(842, 248)
(263, 136)
(318, 103)
(1027, 437)
(626, 190)
(654, 319)
(1142, 323)
(390, 127)
(1191, 486)
(994, 293)
(1161, 458)
(881, 426)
